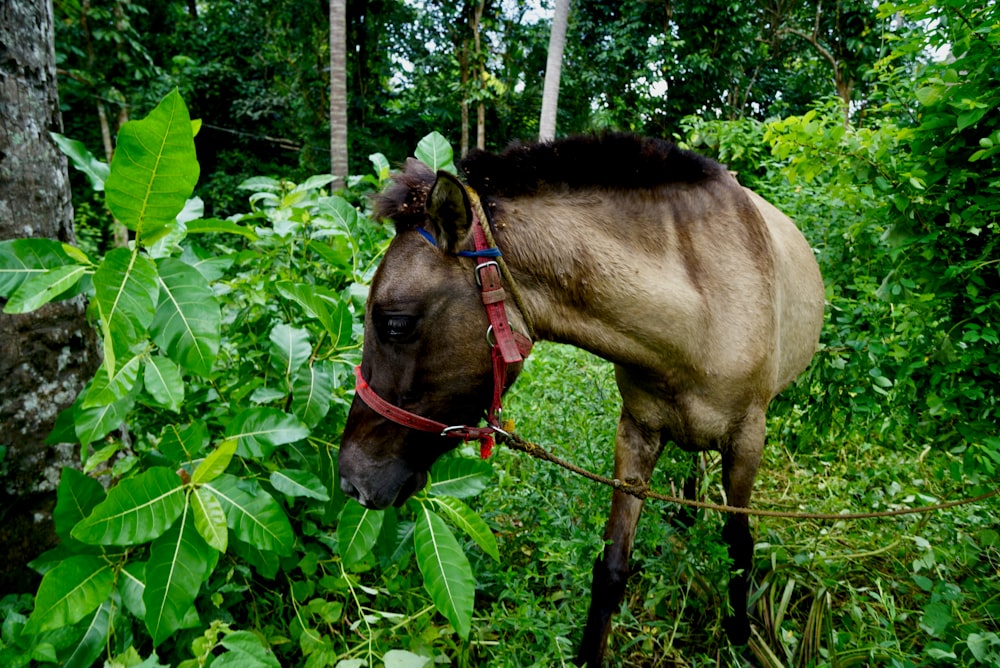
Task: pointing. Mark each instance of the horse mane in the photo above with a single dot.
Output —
(618, 161)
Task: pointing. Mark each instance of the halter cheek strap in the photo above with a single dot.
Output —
(507, 348)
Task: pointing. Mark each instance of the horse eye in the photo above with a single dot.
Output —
(398, 327)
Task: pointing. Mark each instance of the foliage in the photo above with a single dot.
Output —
(228, 349)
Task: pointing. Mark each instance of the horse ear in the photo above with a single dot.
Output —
(449, 212)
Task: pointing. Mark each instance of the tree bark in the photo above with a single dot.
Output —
(338, 92)
(553, 72)
(45, 356)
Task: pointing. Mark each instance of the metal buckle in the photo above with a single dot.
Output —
(481, 266)
(447, 430)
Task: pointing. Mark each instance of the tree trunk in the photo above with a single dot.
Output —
(338, 92)
(553, 71)
(480, 74)
(45, 356)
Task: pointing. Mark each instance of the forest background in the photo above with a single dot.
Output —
(874, 125)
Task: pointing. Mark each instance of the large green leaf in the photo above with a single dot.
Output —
(93, 641)
(357, 531)
(109, 387)
(246, 650)
(76, 496)
(446, 570)
(162, 380)
(312, 389)
(261, 429)
(210, 519)
(73, 589)
(183, 444)
(187, 324)
(290, 348)
(154, 169)
(219, 226)
(96, 170)
(294, 482)
(253, 515)
(215, 462)
(136, 510)
(125, 290)
(435, 152)
(97, 422)
(460, 477)
(41, 288)
(178, 563)
(21, 259)
(468, 521)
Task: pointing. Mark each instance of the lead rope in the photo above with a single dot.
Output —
(641, 490)
(487, 228)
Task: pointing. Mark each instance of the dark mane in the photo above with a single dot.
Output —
(609, 160)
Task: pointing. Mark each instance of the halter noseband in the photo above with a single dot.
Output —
(507, 347)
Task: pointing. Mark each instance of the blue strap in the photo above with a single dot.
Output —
(486, 252)
(427, 235)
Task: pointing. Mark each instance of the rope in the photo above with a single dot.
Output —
(640, 490)
(504, 270)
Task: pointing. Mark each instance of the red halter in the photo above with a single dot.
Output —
(507, 347)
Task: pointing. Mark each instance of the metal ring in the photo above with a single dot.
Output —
(491, 338)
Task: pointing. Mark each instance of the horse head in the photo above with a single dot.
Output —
(426, 351)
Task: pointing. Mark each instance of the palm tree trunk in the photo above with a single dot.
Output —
(338, 92)
(553, 72)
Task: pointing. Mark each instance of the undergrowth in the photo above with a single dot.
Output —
(902, 591)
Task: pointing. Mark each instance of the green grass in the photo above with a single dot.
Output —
(912, 590)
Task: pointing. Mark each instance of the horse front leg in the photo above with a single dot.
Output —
(739, 468)
(636, 452)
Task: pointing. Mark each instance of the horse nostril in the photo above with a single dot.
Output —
(350, 490)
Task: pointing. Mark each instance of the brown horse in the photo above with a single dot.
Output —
(705, 297)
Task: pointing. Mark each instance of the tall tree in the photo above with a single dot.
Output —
(45, 356)
(553, 71)
(338, 92)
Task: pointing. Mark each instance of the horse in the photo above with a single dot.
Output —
(705, 297)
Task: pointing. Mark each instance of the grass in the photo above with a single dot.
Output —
(903, 591)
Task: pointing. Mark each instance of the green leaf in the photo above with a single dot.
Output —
(106, 388)
(299, 483)
(381, 165)
(468, 521)
(210, 519)
(125, 290)
(136, 510)
(447, 574)
(178, 563)
(312, 389)
(253, 515)
(435, 152)
(93, 641)
(76, 496)
(219, 226)
(154, 168)
(339, 210)
(73, 589)
(260, 430)
(315, 306)
(131, 585)
(41, 288)
(91, 424)
(183, 444)
(187, 324)
(163, 381)
(246, 650)
(460, 477)
(96, 170)
(357, 531)
(400, 658)
(290, 348)
(936, 619)
(215, 463)
(21, 259)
